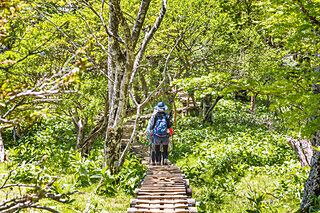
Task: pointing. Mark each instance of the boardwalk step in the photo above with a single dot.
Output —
(164, 189)
(190, 202)
(151, 197)
(159, 206)
(161, 193)
(131, 210)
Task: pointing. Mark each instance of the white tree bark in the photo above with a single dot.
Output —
(122, 69)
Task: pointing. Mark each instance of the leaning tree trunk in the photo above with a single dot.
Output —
(95, 133)
(205, 106)
(312, 185)
(209, 111)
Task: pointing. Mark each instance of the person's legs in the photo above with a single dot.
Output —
(152, 150)
(165, 154)
(158, 154)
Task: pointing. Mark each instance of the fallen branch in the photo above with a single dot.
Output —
(30, 200)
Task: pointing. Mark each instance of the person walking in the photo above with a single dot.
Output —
(159, 129)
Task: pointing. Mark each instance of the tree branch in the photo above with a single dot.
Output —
(124, 23)
(108, 31)
(311, 18)
(139, 22)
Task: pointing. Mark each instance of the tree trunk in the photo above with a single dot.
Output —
(2, 150)
(269, 99)
(303, 149)
(119, 69)
(81, 131)
(123, 64)
(112, 149)
(205, 106)
(208, 114)
(143, 85)
(96, 132)
(312, 185)
(175, 108)
(253, 103)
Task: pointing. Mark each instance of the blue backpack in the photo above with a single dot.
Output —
(160, 129)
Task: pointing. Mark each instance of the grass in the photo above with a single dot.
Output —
(240, 163)
(85, 200)
(237, 163)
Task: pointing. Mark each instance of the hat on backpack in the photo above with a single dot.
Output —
(161, 107)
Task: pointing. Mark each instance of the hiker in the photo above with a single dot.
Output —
(159, 129)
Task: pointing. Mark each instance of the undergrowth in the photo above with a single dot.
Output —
(239, 162)
(48, 152)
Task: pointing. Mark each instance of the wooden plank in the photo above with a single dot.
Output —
(165, 179)
(155, 201)
(193, 209)
(167, 175)
(163, 206)
(178, 182)
(162, 183)
(163, 190)
(162, 197)
(182, 186)
(176, 170)
(131, 210)
(163, 172)
(161, 193)
(176, 179)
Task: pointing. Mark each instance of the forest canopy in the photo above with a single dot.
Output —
(73, 73)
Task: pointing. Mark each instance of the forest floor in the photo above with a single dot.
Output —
(238, 163)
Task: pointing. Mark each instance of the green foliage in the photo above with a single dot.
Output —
(229, 160)
(261, 47)
(86, 170)
(131, 174)
(50, 150)
(107, 187)
(31, 174)
(315, 207)
(255, 201)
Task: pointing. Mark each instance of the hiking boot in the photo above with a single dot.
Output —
(165, 162)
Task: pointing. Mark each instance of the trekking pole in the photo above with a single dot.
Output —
(173, 154)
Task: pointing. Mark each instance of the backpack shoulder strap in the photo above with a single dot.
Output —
(166, 116)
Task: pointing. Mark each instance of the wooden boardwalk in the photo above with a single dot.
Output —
(164, 189)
